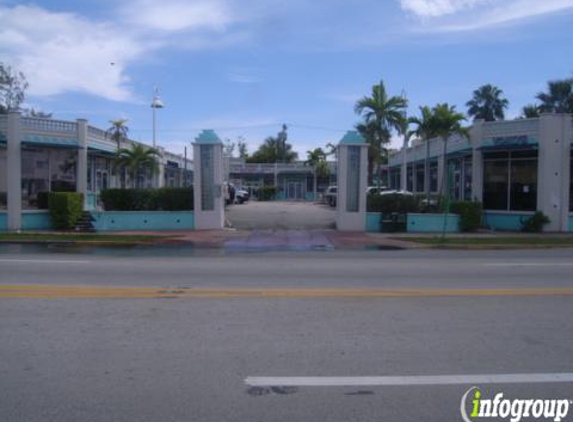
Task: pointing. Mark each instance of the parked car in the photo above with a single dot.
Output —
(241, 195)
(330, 195)
(375, 189)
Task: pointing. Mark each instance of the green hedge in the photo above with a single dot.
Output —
(162, 199)
(267, 193)
(392, 203)
(470, 214)
(66, 208)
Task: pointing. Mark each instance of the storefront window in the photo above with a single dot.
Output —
(420, 177)
(510, 181)
(410, 178)
(467, 179)
(395, 178)
(433, 176)
(36, 169)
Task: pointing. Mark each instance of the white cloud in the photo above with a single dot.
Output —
(435, 8)
(465, 15)
(64, 52)
(178, 15)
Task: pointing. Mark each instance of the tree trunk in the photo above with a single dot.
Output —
(444, 187)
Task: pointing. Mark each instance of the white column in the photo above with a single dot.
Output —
(161, 171)
(351, 219)
(404, 167)
(14, 171)
(476, 135)
(207, 217)
(82, 162)
(553, 170)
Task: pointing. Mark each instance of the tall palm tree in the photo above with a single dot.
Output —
(425, 129)
(316, 158)
(138, 160)
(447, 123)
(386, 113)
(530, 111)
(487, 103)
(368, 132)
(558, 98)
(118, 131)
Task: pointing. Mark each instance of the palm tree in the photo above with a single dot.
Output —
(447, 122)
(137, 160)
(316, 158)
(530, 111)
(487, 103)
(558, 98)
(385, 113)
(425, 129)
(118, 131)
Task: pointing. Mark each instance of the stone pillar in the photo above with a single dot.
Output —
(14, 171)
(476, 136)
(404, 168)
(82, 162)
(352, 183)
(161, 171)
(553, 170)
(208, 181)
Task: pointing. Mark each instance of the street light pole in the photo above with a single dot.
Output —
(155, 104)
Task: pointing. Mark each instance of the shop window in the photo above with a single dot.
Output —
(410, 178)
(433, 176)
(420, 177)
(510, 181)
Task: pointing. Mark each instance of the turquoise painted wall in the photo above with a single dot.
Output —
(432, 223)
(3, 221)
(143, 220)
(36, 220)
(504, 221)
(571, 223)
(373, 221)
(90, 201)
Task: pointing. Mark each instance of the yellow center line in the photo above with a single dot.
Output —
(97, 292)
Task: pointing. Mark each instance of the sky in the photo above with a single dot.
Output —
(245, 67)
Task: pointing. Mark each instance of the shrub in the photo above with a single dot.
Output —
(267, 193)
(66, 208)
(162, 199)
(392, 203)
(470, 214)
(535, 223)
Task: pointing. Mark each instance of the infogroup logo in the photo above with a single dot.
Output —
(513, 409)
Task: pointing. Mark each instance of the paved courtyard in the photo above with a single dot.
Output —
(281, 215)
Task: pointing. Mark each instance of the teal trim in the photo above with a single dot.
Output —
(352, 137)
(432, 223)
(309, 196)
(90, 201)
(36, 220)
(373, 221)
(143, 220)
(3, 221)
(505, 221)
(208, 137)
(50, 140)
(570, 222)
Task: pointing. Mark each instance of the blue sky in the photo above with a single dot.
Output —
(243, 67)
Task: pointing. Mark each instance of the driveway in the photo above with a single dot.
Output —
(281, 215)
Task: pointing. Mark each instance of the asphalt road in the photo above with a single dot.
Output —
(180, 358)
(281, 215)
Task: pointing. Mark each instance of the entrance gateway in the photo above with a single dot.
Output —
(209, 178)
